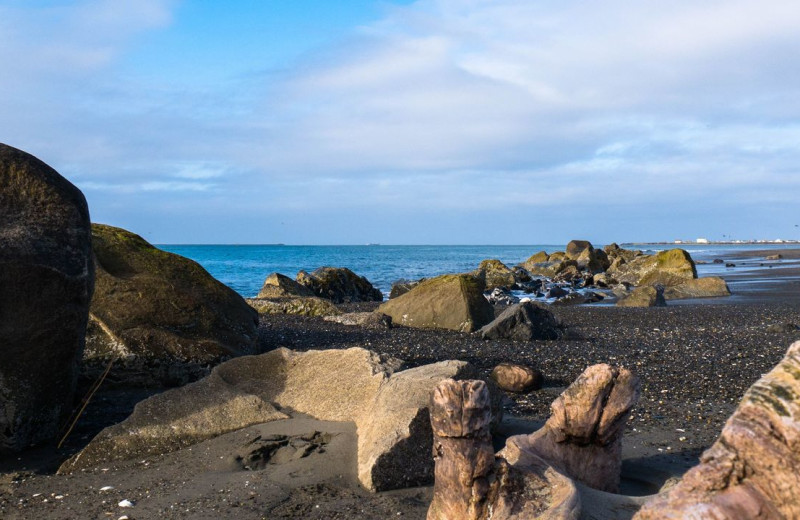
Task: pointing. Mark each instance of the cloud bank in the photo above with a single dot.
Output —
(446, 121)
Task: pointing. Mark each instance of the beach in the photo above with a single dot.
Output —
(695, 359)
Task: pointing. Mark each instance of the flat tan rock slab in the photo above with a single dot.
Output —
(389, 409)
(297, 305)
(753, 470)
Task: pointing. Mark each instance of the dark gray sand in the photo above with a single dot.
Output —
(695, 360)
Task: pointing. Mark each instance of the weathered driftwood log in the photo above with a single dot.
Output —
(753, 470)
(462, 450)
(470, 483)
(583, 436)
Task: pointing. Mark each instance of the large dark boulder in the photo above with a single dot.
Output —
(157, 305)
(46, 279)
(340, 285)
(452, 301)
(524, 321)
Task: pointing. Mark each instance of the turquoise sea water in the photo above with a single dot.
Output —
(244, 267)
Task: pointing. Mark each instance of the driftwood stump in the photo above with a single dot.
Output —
(471, 483)
(462, 450)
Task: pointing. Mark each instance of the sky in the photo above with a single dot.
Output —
(413, 122)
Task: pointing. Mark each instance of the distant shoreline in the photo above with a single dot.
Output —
(715, 243)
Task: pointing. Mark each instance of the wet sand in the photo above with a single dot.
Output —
(695, 360)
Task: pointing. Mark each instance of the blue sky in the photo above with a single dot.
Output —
(429, 121)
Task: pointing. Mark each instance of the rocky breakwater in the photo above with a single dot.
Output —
(388, 406)
(150, 304)
(584, 274)
(46, 280)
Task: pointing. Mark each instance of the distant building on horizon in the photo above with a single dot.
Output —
(702, 241)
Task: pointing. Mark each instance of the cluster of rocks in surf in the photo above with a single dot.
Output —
(583, 274)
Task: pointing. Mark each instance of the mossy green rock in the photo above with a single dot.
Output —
(46, 279)
(667, 268)
(453, 301)
(153, 304)
(538, 258)
(495, 273)
(299, 305)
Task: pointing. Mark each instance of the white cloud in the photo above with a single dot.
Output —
(443, 105)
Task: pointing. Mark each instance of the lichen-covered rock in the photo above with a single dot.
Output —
(513, 377)
(300, 306)
(753, 469)
(153, 304)
(588, 258)
(279, 286)
(453, 302)
(666, 268)
(538, 258)
(708, 287)
(389, 408)
(46, 279)
(494, 274)
(647, 296)
(340, 285)
(583, 436)
(524, 321)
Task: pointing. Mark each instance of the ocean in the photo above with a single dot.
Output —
(244, 267)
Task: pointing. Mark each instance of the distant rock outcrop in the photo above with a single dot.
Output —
(340, 285)
(46, 280)
(279, 286)
(666, 268)
(453, 302)
(150, 303)
(495, 274)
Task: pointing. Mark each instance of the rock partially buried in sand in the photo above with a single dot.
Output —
(340, 285)
(524, 321)
(153, 304)
(46, 278)
(709, 287)
(389, 408)
(583, 436)
(452, 301)
(512, 377)
(279, 286)
(647, 296)
(300, 306)
(753, 469)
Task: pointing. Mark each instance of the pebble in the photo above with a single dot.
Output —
(126, 503)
